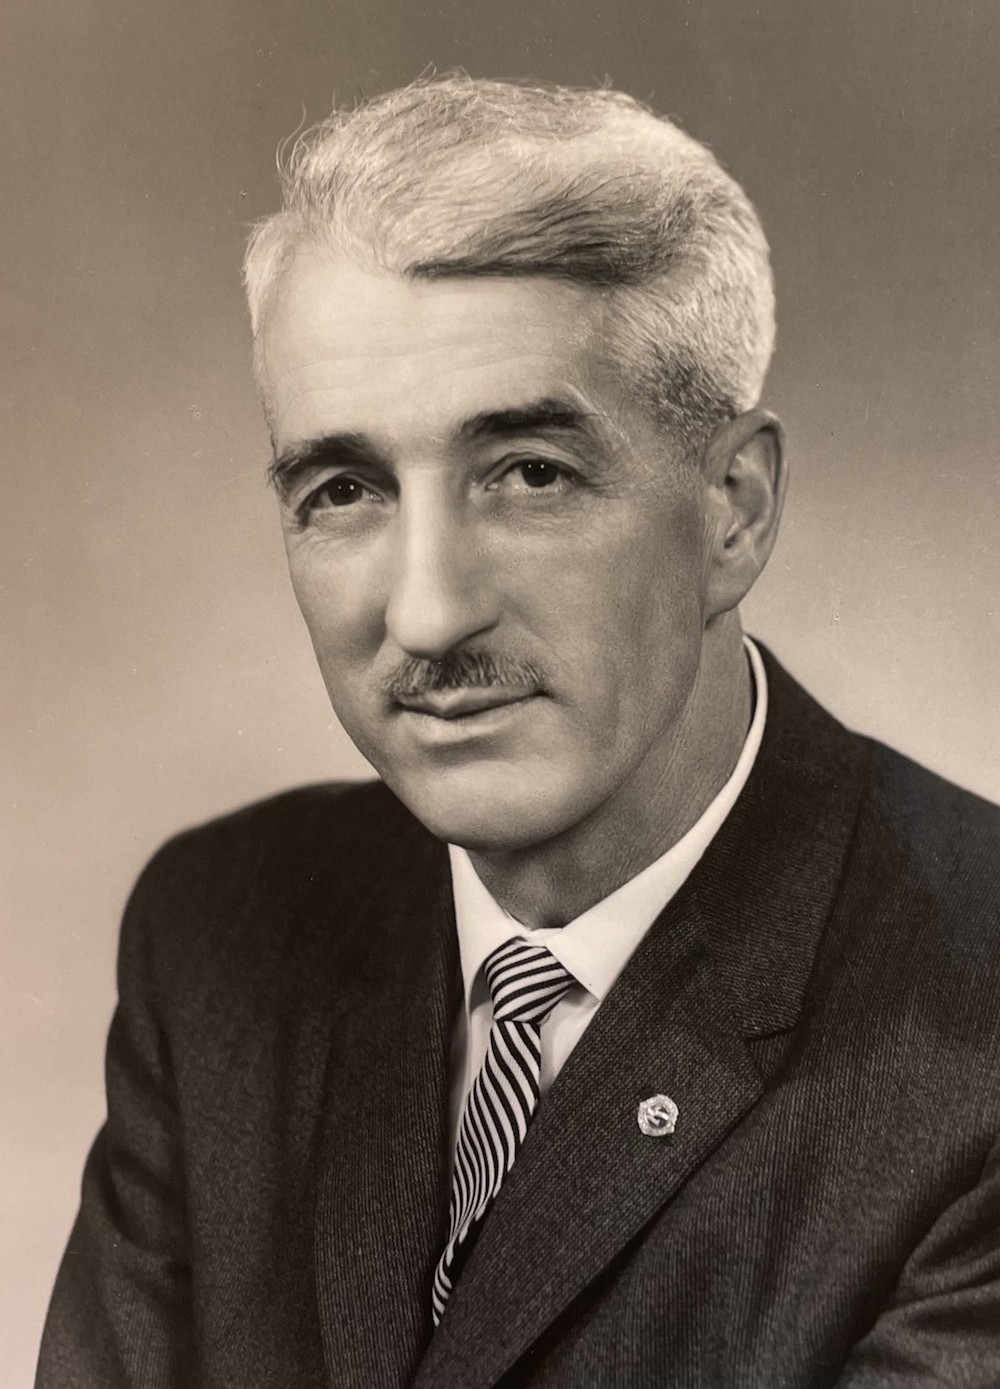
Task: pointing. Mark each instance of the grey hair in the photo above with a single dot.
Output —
(455, 176)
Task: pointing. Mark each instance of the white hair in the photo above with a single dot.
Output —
(454, 176)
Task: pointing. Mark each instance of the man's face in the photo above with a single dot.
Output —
(499, 556)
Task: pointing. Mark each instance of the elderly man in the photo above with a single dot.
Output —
(640, 1026)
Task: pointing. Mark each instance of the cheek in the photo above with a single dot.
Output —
(623, 607)
(335, 602)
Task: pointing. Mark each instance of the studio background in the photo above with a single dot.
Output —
(155, 669)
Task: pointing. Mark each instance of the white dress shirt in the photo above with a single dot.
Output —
(594, 947)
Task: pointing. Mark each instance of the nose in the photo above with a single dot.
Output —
(440, 595)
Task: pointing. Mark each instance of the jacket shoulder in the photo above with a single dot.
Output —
(323, 818)
(947, 836)
(918, 920)
(953, 834)
(288, 874)
(916, 915)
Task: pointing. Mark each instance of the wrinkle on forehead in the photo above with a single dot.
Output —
(365, 346)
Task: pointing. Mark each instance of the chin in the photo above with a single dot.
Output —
(488, 810)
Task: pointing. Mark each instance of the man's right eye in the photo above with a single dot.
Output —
(335, 492)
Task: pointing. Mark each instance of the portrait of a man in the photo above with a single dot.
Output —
(500, 851)
(638, 1024)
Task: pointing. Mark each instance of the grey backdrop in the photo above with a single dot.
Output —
(155, 670)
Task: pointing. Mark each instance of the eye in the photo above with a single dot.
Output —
(534, 475)
(337, 492)
(539, 472)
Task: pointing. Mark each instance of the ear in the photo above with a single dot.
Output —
(745, 476)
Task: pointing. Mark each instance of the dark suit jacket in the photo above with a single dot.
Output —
(822, 1001)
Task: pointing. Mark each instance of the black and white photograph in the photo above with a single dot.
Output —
(500, 870)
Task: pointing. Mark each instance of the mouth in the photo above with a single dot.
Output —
(451, 705)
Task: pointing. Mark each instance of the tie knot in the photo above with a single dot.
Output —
(526, 981)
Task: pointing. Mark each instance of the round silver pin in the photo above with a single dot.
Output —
(657, 1116)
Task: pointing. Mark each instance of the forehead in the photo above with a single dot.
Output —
(350, 349)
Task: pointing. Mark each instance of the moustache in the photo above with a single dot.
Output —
(460, 670)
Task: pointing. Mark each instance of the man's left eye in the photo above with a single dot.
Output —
(534, 475)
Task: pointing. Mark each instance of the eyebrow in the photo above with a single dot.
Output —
(345, 450)
(540, 416)
(353, 449)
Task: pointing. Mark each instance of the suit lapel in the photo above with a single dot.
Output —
(725, 965)
(382, 1188)
(587, 1179)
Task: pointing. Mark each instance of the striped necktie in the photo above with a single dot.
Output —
(526, 982)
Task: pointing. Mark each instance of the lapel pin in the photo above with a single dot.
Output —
(657, 1116)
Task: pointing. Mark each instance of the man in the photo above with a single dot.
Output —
(642, 1026)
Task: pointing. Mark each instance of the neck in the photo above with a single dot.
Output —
(552, 883)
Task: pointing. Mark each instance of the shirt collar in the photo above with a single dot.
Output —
(596, 946)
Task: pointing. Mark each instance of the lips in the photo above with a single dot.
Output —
(465, 703)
